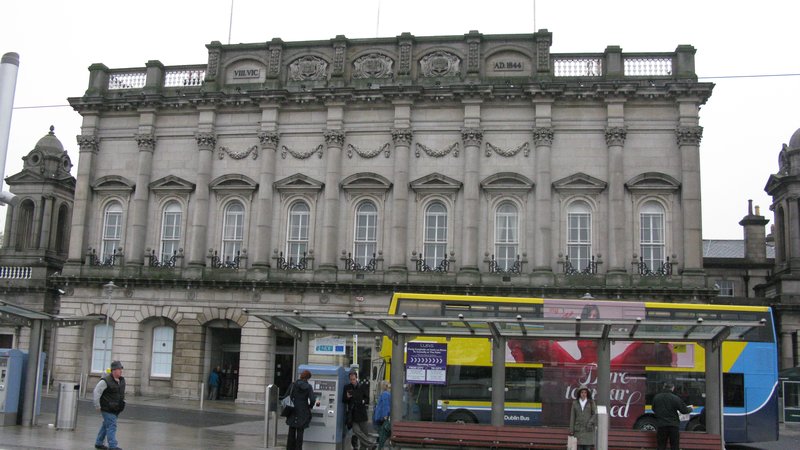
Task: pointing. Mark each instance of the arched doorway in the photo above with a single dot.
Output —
(223, 343)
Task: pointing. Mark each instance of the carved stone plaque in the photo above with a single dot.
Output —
(308, 68)
(373, 65)
(440, 64)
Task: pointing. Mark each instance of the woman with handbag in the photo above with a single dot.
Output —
(301, 397)
(583, 419)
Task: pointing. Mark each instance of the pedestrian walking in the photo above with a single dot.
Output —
(109, 399)
(356, 399)
(666, 406)
(583, 419)
(302, 395)
(381, 417)
(214, 381)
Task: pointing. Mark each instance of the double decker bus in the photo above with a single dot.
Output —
(542, 375)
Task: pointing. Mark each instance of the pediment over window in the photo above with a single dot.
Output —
(507, 182)
(366, 182)
(653, 181)
(298, 183)
(435, 183)
(580, 183)
(113, 183)
(172, 184)
(233, 183)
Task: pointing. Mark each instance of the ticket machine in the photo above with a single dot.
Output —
(12, 371)
(327, 417)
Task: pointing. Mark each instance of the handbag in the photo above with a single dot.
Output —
(572, 443)
(287, 404)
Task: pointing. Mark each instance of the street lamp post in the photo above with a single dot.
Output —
(109, 289)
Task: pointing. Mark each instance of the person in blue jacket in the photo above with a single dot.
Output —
(382, 413)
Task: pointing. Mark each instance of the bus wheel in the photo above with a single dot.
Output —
(462, 417)
(695, 425)
(646, 423)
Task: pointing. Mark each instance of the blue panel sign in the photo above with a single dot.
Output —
(426, 363)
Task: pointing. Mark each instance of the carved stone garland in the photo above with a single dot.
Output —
(525, 148)
(367, 154)
(301, 155)
(454, 148)
(222, 151)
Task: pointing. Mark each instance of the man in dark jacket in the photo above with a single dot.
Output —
(109, 399)
(303, 398)
(666, 406)
(356, 399)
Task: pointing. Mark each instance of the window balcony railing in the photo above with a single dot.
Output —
(569, 269)
(299, 265)
(664, 269)
(352, 265)
(114, 259)
(442, 267)
(166, 263)
(495, 267)
(237, 262)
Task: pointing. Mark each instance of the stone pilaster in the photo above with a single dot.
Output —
(135, 252)
(472, 137)
(615, 142)
(688, 138)
(543, 235)
(269, 140)
(334, 141)
(88, 145)
(401, 137)
(47, 219)
(206, 141)
(258, 342)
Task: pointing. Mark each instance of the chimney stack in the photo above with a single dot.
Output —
(755, 243)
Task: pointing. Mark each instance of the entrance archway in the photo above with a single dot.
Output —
(223, 344)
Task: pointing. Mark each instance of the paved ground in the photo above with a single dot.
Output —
(180, 424)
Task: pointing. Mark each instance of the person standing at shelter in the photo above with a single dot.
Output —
(666, 406)
(381, 417)
(213, 384)
(109, 399)
(583, 419)
(303, 398)
(356, 398)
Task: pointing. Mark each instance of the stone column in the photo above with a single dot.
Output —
(37, 224)
(543, 240)
(269, 139)
(206, 141)
(334, 140)
(472, 138)
(47, 220)
(134, 255)
(88, 145)
(615, 141)
(689, 145)
(399, 235)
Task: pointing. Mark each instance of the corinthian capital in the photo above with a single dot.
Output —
(269, 139)
(616, 135)
(334, 138)
(88, 142)
(206, 141)
(402, 136)
(543, 136)
(146, 142)
(689, 135)
(472, 136)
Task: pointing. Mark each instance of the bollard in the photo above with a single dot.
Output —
(271, 416)
(602, 428)
(202, 394)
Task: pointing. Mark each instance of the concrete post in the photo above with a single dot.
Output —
(603, 373)
(31, 379)
(714, 417)
(498, 381)
(397, 376)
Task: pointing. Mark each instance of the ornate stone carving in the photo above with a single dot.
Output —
(88, 142)
(454, 148)
(689, 135)
(205, 141)
(440, 64)
(474, 57)
(275, 53)
(616, 135)
(543, 53)
(542, 136)
(213, 64)
(338, 58)
(145, 142)
(472, 136)
(405, 58)
(525, 148)
(269, 139)
(373, 65)
(301, 155)
(367, 154)
(222, 151)
(402, 136)
(308, 68)
(334, 138)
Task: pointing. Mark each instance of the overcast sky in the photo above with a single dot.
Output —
(745, 121)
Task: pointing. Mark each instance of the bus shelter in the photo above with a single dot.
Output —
(14, 315)
(400, 329)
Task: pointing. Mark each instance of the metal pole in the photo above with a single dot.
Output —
(9, 66)
(202, 393)
(271, 416)
(109, 288)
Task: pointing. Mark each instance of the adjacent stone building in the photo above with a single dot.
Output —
(325, 175)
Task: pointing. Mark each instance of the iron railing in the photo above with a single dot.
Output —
(165, 263)
(236, 262)
(114, 259)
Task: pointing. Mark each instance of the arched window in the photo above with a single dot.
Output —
(365, 241)
(506, 235)
(579, 235)
(163, 340)
(652, 241)
(297, 232)
(434, 246)
(112, 229)
(170, 230)
(25, 226)
(102, 344)
(232, 231)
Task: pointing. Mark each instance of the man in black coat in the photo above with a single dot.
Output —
(109, 399)
(666, 406)
(356, 399)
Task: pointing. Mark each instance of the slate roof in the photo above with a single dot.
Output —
(729, 248)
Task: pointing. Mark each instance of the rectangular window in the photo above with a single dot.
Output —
(434, 248)
(725, 288)
(112, 233)
(506, 236)
(579, 241)
(365, 242)
(652, 240)
(170, 234)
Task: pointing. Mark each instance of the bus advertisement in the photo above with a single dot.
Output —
(543, 375)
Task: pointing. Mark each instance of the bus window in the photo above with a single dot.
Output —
(733, 389)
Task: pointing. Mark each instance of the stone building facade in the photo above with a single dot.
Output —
(325, 175)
